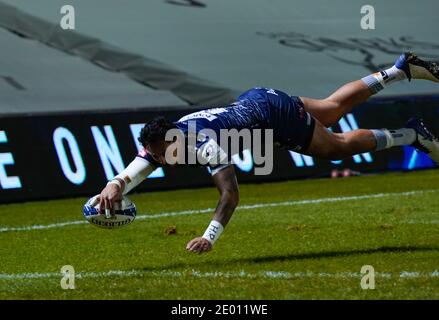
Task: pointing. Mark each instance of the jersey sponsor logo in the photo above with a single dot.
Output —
(272, 91)
(209, 114)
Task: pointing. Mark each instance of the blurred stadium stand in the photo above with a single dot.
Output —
(294, 46)
(40, 77)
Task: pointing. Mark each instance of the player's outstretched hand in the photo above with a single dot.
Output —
(199, 245)
(109, 196)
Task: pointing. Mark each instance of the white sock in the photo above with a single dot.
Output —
(393, 138)
(379, 80)
(390, 75)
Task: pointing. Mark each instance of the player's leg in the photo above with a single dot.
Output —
(328, 111)
(335, 146)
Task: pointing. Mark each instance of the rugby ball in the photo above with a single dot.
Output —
(124, 214)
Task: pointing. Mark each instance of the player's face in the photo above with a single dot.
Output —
(158, 152)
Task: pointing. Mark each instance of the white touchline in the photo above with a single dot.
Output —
(220, 274)
(423, 222)
(243, 207)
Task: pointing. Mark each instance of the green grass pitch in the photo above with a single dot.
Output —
(278, 245)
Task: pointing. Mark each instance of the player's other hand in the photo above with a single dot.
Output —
(109, 197)
(199, 245)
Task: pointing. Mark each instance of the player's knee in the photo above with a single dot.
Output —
(329, 121)
(332, 120)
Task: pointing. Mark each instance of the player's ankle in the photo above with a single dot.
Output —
(379, 80)
(386, 139)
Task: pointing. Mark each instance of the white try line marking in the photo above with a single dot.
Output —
(243, 207)
(224, 275)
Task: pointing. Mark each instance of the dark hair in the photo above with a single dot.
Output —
(155, 130)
